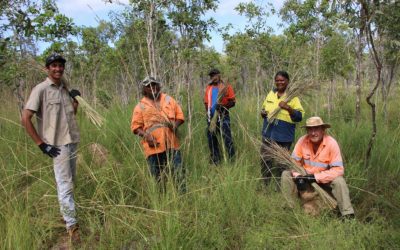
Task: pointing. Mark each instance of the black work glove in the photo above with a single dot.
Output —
(49, 150)
(264, 113)
(301, 183)
(310, 178)
(74, 93)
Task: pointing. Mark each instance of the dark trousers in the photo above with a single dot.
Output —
(224, 126)
(268, 167)
(169, 162)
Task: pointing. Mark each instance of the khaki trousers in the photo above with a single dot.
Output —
(339, 188)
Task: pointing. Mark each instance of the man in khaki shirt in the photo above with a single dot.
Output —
(57, 133)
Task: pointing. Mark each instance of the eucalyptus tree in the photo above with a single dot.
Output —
(335, 61)
(378, 15)
(151, 11)
(353, 13)
(240, 58)
(309, 25)
(23, 24)
(248, 50)
(131, 49)
(310, 21)
(192, 30)
(187, 19)
(378, 23)
(94, 57)
(388, 28)
(206, 58)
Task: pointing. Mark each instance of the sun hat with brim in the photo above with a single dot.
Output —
(148, 80)
(316, 121)
(55, 57)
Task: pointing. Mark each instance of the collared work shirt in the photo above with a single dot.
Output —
(272, 101)
(283, 129)
(56, 123)
(326, 164)
(220, 93)
(153, 117)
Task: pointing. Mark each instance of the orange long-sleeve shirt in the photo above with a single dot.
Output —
(214, 94)
(326, 164)
(153, 117)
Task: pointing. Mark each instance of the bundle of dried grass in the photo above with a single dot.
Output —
(294, 89)
(213, 122)
(214, 119)
(282, 156)
(90, 112)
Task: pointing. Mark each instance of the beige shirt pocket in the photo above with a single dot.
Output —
(53, 109)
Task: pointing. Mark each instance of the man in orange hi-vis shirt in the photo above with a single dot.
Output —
(320, 156)
(219, 97)
(156, 119)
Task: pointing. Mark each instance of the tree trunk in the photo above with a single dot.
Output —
(378, 66)
(317, 104)
(386, 84)
(95, 86)
(359, 57)
(330, 98)
(258, 73)
(151, 18)
(243, 77)
(18, 92)
(189, 102)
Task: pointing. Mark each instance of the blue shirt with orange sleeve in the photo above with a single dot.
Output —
(221, 93)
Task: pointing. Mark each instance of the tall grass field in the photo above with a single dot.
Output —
(119, 204)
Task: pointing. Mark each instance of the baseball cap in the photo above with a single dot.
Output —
(55, 57)
(148, 80)
(214, 72)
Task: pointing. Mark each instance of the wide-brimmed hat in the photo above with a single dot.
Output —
(316, 121)
(55, 57)
(148, 80)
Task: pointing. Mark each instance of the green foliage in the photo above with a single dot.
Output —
(104, 98)
(310, 19)
(8, 71)
(187, 17)
(257, 16)
(335, 58)
(39, 19)
(94, 40)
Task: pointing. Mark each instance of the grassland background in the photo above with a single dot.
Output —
(226, 207)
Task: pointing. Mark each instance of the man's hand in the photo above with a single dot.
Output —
(150, 140)
(220, 108)
(264, 113)
(50, 150)
(74, 93)
(174, 125)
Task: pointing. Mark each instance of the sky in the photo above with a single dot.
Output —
(89, 12)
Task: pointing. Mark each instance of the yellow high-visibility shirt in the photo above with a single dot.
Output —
(272, 101)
